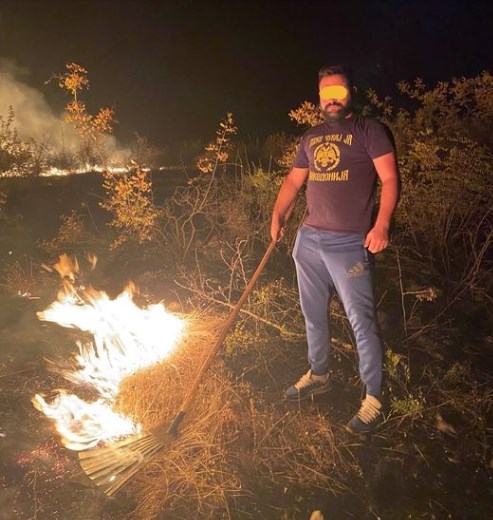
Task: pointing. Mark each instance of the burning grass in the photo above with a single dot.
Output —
(232, 443)
(195, 470)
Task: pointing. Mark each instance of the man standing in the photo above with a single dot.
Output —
(340, 160)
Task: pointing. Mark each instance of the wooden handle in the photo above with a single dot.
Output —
(229, 322)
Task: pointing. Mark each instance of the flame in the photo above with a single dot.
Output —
(83, 425)
(53, 171)
(67, 267)
(125, 339)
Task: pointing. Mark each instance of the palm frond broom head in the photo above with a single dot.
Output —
(151, 397)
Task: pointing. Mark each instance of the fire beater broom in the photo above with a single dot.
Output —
(110, 468)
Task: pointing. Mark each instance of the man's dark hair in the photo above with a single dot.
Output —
(343, 70)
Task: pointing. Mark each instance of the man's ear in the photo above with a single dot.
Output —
(355, 90)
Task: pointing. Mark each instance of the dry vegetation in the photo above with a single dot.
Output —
(242, 452)
(231, 438)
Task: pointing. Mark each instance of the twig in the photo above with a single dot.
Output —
(35, 491)
(211, 299)
(401, 286)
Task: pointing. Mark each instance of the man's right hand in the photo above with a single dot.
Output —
(277, 229)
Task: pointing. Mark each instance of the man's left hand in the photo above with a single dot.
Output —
(377, 239)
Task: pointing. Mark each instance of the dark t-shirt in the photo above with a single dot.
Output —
(341, 181)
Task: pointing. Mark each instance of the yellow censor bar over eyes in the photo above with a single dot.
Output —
(333, 92)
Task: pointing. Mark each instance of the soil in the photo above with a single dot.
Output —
(410, 471)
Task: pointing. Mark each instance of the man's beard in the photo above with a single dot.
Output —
(331, 116)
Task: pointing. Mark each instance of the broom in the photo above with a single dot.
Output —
(110, 468)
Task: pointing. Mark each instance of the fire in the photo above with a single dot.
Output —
(67, 267)
(83, 425)
(125, 339)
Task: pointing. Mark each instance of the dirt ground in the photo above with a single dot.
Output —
(411, 470)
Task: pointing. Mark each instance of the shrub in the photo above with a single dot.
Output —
(446, 166)
(73, 236)
(273, 148)
(217, 151)
(129, 200)
(93, 129)
(16, 157)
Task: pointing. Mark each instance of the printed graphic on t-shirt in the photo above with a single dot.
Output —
(327, 156)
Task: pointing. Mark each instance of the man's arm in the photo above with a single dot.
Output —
(377, 238)
(289, 189)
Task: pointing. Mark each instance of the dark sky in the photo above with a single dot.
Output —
(172, 69)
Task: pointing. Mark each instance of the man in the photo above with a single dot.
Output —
(339, 160)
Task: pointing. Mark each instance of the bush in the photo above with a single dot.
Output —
(16, 157)
(129, 200)
(73, 236)
(446, 166)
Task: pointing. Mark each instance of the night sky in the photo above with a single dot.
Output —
(172, 69)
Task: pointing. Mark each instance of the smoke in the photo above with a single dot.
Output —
(34, 118)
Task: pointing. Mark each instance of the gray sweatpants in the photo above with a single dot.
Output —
(327, 262)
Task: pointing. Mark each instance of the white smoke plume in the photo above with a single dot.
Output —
(34, 118)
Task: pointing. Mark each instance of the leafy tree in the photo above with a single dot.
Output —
(129, 195)
(92, 128)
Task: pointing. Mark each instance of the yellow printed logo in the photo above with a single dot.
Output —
(357, 270)
(326, 157)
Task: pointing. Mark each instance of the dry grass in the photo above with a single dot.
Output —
(231, 443)
(19, 278)
(194, 471)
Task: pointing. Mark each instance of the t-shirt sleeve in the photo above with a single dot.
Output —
(379, 140)
(301, 159)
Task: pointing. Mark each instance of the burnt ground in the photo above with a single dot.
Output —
(413, 468)
(40, 479)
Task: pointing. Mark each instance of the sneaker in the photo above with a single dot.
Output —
(309, 384)
(367, 417)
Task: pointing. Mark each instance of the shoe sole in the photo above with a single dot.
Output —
(318, 391)
(350, 429)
